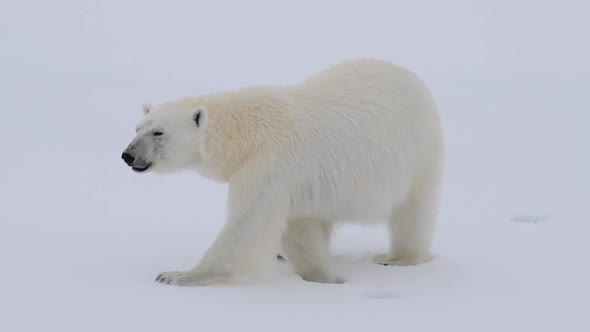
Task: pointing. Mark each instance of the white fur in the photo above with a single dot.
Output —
(359, 142)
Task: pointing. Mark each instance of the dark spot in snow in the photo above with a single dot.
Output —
(382, 296)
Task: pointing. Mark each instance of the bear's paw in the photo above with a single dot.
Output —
(192, 278)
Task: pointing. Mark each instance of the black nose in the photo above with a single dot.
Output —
(129, 159)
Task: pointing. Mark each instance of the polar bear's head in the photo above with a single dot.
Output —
(215, 135)
(168, 138)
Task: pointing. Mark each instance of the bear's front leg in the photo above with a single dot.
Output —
(247, 244)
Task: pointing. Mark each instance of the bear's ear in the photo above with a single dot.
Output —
(146, 108)
(199, 117)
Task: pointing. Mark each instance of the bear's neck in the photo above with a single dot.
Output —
(244, 125)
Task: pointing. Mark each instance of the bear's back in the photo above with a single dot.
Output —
(362, 126)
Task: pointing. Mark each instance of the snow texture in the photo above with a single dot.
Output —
(82, 238)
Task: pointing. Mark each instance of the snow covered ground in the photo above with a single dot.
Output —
(82, 238)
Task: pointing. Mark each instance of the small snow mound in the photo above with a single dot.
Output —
(531, 219)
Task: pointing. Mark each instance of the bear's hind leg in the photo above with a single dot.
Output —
(306, 245)
(412, 227)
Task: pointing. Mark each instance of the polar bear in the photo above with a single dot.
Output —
(359, 142)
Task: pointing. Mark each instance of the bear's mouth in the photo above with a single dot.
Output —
(141, 169)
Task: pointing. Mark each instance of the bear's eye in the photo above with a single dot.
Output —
(158, 133)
